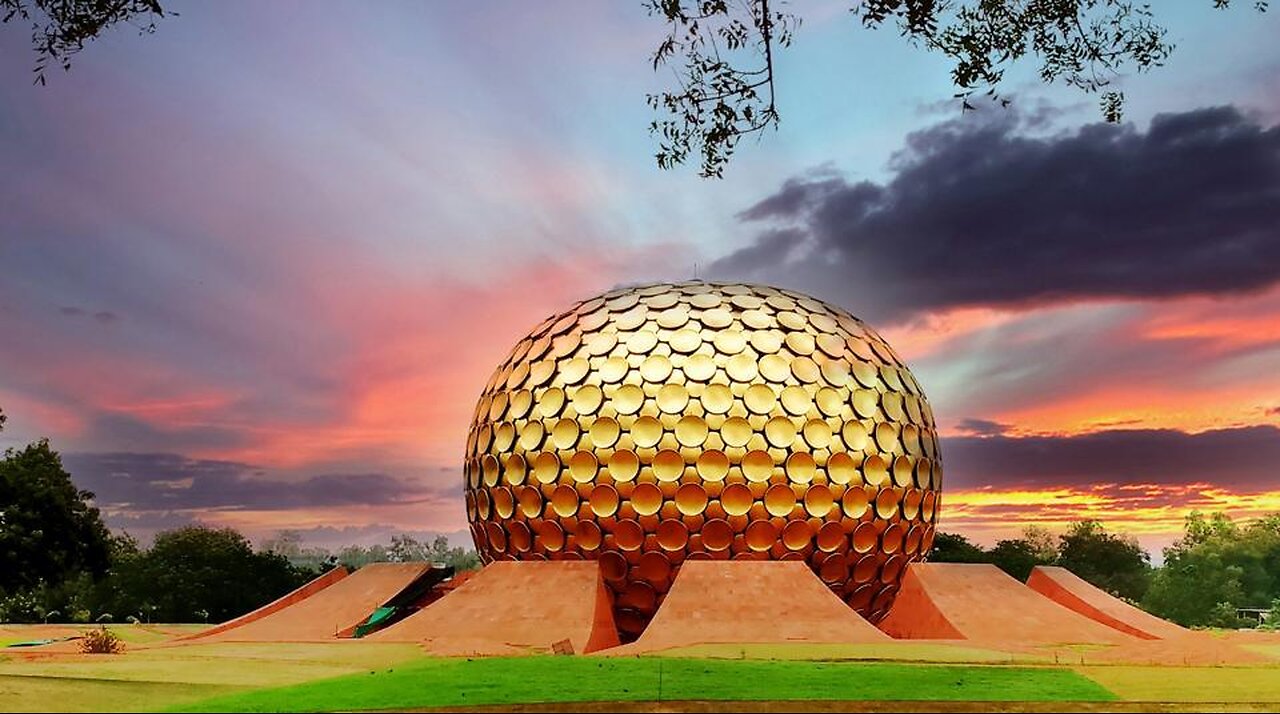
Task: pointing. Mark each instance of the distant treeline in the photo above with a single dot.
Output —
(1218, 566)
(58, 562)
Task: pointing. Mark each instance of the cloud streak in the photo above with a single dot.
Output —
(1241, 459)
(172, 482)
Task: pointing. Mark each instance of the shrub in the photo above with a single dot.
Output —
(101, 641)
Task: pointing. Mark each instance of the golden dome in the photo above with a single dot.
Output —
(670, 422)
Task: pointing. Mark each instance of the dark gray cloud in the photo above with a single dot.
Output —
(978, 212)
(981, 427)
(1239, 459)
(138, 482)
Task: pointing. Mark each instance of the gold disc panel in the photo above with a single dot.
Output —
(657, 424)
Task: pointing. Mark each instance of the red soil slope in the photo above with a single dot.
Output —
(1065, 588)
(748, 601)
(274, 606)
(515, 608)
(329, 611)
(981, 602)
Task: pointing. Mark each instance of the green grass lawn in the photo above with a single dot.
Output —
(905, 651)
(497, 681)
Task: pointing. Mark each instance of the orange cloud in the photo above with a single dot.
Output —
(1153, 512)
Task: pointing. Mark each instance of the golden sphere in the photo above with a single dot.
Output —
(670, 422)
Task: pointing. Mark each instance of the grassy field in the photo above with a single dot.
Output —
(352, 675)
(1189, 684)
(501, 681)
(129, 633)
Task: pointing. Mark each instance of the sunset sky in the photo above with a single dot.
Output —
(255, 269)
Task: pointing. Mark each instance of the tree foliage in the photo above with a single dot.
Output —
(1217, 566)
(955, 548)
(1114, 563)
(60, 28)
(405, 548)
(723, 53)
(725, 80)
(198, 573)
(49, 530)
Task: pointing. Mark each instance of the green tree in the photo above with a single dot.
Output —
(953, 548)
(49, 530)
(1216, 567)
(459, 559)
(196, 573)
(404, 548)
(1016, 557)
(1114, 563)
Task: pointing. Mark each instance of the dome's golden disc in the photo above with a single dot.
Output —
(628, 399)
(699, 368)
(800, 467)
(646, 498)
(841, 469)
(817, 433)
(546, 467)
(673, 398)
(760, 399)
(668, 465)
(691, 430)
(646, 431)
(583, 466)
(796, 400)
(717, 398)
(604, 500)
(729, 342)
(779, 500)
(757, 466)
(855, 502)
(775, 368)
(736, 431)
(736, 499)
(780, 431)
(624, 465)
(564, 500)
(717, 535)
(605, 432)
(713, 465)
(565, 433)
(655, 368)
